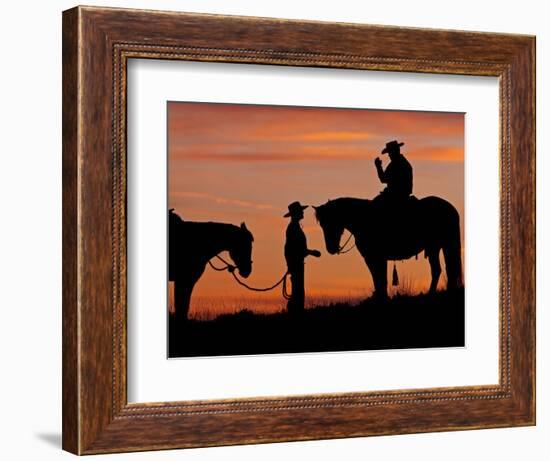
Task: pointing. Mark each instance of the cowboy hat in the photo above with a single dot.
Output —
(392, 145)
(295, 207)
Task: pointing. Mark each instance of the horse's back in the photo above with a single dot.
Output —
(433, 207)
(412, 225)
(436, 202)
(182, 239)
(191, 236)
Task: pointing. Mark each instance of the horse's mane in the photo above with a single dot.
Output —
(339, 205)
(206, 228)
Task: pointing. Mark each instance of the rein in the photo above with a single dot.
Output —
(341, 249)
(231, 269)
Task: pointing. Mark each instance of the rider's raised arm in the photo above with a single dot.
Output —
(381, 173)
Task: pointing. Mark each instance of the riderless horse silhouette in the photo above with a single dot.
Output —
(193, 244)
(430, 224)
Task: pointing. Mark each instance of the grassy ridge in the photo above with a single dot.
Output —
(402, 322)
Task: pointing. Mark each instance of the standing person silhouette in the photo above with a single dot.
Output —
(296, 251)
(398, 175)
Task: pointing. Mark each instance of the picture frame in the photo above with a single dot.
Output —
(97, 44)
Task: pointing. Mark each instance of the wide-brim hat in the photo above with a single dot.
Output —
(294, 208)
(392, 145)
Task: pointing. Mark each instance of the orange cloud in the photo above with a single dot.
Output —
(335, 136)
(438, 154)
(274, 134)
(299, 155)
(321, 152)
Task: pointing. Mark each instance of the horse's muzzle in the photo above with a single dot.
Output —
(245, 272)
(332, 249)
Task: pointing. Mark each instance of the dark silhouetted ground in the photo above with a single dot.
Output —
(402, 322)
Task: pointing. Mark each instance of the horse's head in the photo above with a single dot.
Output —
(241, 250)
(174, 220)
(329, 219)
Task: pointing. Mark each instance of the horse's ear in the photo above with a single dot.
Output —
(244, 228)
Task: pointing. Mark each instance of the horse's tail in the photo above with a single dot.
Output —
(452, 252)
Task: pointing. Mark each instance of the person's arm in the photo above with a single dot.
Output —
(296, 244)
(380, 171)
(307, 251)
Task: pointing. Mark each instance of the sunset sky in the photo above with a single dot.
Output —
(233, 163)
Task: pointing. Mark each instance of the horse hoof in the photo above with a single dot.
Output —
(380, 298)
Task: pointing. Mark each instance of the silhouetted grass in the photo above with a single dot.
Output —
(404, 321)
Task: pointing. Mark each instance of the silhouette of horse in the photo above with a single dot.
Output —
(193, 244)
(431, 224)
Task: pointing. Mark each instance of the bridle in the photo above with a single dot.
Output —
(342, 249)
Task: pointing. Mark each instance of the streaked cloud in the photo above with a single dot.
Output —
(221, 200)
(334, 136)
(308, 152)
(438, 154)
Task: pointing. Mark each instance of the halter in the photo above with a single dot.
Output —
(229, 267)
(342, 250)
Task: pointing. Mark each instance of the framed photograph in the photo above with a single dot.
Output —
(280, 230)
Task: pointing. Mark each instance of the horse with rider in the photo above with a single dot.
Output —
(395, 225)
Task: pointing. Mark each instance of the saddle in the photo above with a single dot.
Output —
(390, 203)
(396, 217)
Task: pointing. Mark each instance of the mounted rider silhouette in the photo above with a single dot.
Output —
(394, 207)
(398, 175)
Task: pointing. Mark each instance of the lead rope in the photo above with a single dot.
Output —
(231, 269)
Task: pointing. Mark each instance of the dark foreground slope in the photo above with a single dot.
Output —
(402, 322)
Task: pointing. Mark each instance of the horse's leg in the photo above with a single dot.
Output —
(188, 283)
(182, 298)
(435, 266)
(453, 265)
(378, 267)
